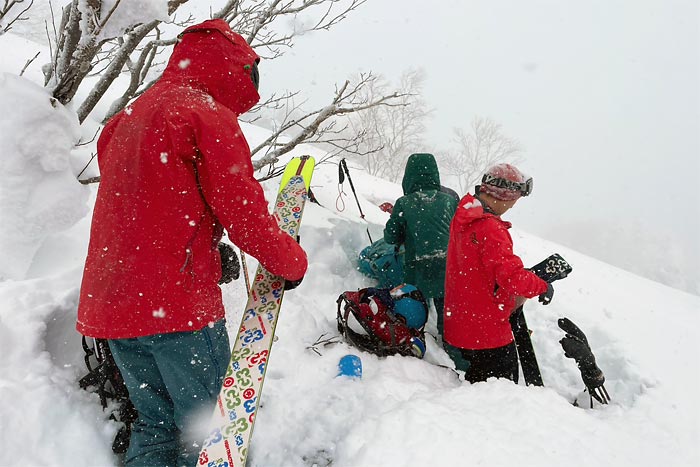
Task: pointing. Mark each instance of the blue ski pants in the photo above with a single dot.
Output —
(173, 380)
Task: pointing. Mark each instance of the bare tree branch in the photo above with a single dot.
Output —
(29, 62)
(82, 51)
(7, 19)
(476, 150)
(393, 132)
(318, 126)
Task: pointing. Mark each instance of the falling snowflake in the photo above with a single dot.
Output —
(159, 313)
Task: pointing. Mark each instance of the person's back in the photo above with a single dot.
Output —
(421, 221)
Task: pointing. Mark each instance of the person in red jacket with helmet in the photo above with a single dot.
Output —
(175, 172)
(485, 281)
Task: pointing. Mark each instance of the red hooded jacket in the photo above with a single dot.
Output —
(175, 171)
(479, 257)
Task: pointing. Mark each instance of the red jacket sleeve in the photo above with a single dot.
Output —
(226, 176)
(507, 268)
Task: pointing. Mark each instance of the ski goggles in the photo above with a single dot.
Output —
(254, 74)
(524, 188)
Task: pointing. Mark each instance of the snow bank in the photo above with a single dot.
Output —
(39, 194)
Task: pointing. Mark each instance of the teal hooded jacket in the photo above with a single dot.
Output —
(420, 221)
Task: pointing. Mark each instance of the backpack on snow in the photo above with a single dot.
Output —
(382, 331)
(383, 262)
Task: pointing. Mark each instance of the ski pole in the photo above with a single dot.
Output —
(344, 167)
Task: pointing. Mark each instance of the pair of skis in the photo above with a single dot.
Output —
(551, 269)
(237, 403)
(575, 343)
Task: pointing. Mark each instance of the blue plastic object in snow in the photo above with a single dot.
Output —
(351, 366)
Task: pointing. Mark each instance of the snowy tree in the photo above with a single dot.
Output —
(12, 11)
(106, 38)
(327, 127)
(475, 150)
(393, 131)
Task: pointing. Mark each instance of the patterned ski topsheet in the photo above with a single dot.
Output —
(552, 268)
(237, 404)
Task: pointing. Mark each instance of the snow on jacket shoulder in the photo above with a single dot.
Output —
(175, 171)
(479, 258)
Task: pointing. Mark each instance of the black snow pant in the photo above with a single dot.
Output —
(501, 362)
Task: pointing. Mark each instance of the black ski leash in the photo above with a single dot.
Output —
(575, 345)
(342, 172)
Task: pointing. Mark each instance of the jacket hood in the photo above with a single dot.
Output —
(471, 210)
(421, 174)
(213, 58)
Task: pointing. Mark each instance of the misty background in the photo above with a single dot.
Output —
(603, 97)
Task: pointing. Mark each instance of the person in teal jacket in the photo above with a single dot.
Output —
(420, 220)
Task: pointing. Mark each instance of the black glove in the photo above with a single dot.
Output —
(291, 285)
(576, 346)
(230, 267)
(546, 298)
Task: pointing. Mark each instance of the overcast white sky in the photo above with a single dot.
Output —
(603, 95)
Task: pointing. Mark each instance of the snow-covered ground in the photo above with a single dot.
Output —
(403, 411)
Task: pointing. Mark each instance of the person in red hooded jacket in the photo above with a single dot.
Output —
(485, 281)
(175, 172)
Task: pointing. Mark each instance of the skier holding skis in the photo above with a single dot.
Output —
(485, 281)
(420, 220)
(176, 172)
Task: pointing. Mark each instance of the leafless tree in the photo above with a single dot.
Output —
(82, 49)
(476, 149)
(12, 11)
(392, 132)
(81, 44)
(324, 126)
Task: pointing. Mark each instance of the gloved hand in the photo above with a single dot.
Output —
(576, 346)
(546, 298)
(230, 267)
(291, 285)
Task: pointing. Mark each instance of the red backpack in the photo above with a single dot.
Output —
(385, 332)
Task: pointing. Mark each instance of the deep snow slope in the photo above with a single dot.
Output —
(407, 412)
(404, 411)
